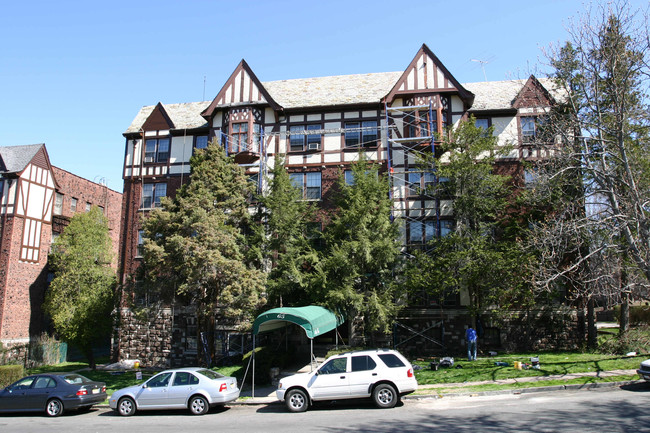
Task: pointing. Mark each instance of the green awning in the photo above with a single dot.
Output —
(313, 319)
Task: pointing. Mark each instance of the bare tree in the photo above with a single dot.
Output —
(592, 233)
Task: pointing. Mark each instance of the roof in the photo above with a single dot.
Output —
(184, 116)
(313, 319)
(14, 159)
(500, 95)
(342, 90)
(337, 90)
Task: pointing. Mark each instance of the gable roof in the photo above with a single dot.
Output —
(14, 159)
(182, 116)
(501, 95)
(243, 86)
(426, 73)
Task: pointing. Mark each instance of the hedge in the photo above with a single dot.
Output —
(10, 373)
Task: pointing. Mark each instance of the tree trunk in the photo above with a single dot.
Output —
(592, 332)
(91, 358)
(624, 319)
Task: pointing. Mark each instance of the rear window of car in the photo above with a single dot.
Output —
(211, 374)
(391, 360)
(74, 379)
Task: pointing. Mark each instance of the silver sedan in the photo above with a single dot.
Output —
(193, 388)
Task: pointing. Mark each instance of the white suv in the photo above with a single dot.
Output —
(385, 375)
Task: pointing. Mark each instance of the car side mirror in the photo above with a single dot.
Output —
(144, 385)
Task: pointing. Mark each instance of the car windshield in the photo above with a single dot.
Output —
(211, 374)
(74, 379)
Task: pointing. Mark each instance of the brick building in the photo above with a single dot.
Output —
(321, 125)
(37, 201)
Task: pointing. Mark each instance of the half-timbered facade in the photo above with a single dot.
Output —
(321, 125)
(36, 203)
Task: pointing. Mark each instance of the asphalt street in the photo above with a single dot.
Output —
(611, 409)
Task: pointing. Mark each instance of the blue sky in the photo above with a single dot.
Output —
(73, 74)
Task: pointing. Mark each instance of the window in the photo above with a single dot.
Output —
(183, 378)
(159, 381)
(528, 128)
(349, 177)
(483, 123)
(73, 204)
(151, 194)
(314, 233)
(101, 208)
(88, 206)
(140, 249)
(446, 227)
(58, 204)
(335, 366)
(420, 182)
(363, 363)
(361, 134)
(238, 137)
(156, 150)
(309, 183)
(418, 124)
(201, 142)
(299, 137)
(391, 360)
(422, 232)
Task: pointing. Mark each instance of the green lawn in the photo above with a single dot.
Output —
(550, 364)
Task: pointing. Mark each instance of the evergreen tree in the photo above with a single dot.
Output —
(361, 250)
(195, 244)
(294, 258)
(80, 297)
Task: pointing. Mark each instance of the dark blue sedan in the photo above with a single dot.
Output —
(52, 393)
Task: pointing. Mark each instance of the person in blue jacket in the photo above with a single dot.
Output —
(470, 337)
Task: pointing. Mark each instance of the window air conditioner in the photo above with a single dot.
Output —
(313, 146)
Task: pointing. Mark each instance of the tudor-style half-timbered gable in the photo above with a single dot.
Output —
(320, 125)
(27, 189)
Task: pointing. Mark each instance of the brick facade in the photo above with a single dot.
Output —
(23, 283)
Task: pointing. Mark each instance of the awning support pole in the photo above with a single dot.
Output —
(253, 355)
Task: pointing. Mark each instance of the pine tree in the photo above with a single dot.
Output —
(289, 241)
(362, 245)
(195, 244)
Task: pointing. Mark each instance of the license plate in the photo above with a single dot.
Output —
(95, 391)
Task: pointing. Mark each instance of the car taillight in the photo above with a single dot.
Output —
(103, 389)
(410, 372)
(82, 392)
(223, 387)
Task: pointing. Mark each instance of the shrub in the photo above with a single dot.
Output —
(637, 340)
(10, 373)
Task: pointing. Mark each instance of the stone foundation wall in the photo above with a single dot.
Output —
(148, 341)
(442, 333)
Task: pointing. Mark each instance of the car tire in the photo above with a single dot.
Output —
(384, 396)
(126, 406)
(198, 405)
(54, 407)
(296, 400)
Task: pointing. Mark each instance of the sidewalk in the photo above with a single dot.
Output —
(266, 395)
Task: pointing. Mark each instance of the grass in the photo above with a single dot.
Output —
(550, 364)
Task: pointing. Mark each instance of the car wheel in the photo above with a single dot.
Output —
(126, 406)
(296, 400)
(384, 396)
(199, 405)
(54, 407)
